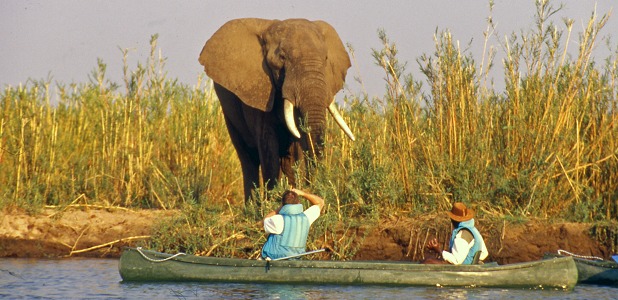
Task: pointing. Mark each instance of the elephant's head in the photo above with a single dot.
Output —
(291, 65)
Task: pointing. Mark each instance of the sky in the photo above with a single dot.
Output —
(62, 39)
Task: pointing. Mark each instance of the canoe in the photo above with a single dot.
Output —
(594, 271)
(143, 265)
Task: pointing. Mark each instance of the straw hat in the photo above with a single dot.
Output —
(460, 212)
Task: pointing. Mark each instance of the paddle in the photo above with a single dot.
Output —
(297, 255)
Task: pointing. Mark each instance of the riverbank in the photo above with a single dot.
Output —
(89, 231)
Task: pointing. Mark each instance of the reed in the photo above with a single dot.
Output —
(546, 146)
(155, 146)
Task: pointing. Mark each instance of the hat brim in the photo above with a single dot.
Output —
(457, 218)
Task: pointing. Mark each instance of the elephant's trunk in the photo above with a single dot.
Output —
(316, 121)
(315, 118)
(291, 124)
(305, 88)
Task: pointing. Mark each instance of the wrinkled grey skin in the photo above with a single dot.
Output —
(256, 64)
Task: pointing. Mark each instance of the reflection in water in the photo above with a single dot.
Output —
(99, 278)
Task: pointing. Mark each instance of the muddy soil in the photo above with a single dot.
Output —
(92, 232)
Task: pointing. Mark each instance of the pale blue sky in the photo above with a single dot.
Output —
(64, 38)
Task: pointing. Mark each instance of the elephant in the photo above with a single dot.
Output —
(269, 76)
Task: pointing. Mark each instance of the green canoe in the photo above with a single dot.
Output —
(143, 265)
(594, 271)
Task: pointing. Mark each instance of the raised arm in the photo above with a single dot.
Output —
(313, 199)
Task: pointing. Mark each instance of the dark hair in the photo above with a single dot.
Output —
(289, 197)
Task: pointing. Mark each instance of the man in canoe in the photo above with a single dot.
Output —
(465, 242)
(288, 226)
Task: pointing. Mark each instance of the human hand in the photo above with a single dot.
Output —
(298, 192)
(434, 245)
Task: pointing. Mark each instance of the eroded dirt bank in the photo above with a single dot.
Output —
(103, 233)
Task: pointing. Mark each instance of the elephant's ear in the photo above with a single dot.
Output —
(338, 61)
(233, 58)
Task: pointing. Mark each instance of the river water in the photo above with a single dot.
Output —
(77, 278)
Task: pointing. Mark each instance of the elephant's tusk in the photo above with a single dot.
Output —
(288, 111)
(335, 113)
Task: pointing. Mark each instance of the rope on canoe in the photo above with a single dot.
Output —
(139, 249)
(563, 252)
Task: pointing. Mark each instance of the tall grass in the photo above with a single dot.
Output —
(546, 146)
(158, 144)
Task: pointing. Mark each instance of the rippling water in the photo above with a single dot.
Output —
(98, 278)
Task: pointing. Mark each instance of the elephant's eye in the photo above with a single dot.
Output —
(282, 56)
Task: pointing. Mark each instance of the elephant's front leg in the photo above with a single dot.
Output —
(268, 147)
(291, 155)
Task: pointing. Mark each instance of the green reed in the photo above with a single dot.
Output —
(543, 147)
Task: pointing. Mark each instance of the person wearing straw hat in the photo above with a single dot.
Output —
(288, 226)
(465, 241)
